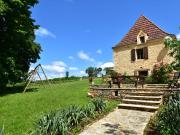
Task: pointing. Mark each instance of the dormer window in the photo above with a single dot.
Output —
(141, 37)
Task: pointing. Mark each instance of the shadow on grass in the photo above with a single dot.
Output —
(16, 89)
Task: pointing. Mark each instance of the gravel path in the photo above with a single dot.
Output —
(119, 122)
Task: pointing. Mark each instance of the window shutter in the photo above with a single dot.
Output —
(145, 53)
(133, 58)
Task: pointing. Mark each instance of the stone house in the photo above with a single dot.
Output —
(141, 48)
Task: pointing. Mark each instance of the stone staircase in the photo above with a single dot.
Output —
(146, 99)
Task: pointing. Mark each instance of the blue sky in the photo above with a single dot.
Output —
(76, 34)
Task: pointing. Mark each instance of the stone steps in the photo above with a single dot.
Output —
(163, 86)
(138, 107)
(156, 85)
(152, 98)
(142, 99)
(144, 93)
(141, 102)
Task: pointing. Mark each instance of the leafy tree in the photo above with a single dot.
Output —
(174, 46)
(93, 71)
(98, 71)
(90, 71)
(17, 40)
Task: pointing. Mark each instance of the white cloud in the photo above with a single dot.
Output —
(31, 68)
(82, 72)
(107, 64)
(178, 36)
(71, 57)
(43, 32)
(99, 51)
(73, 68)
(82, 55)
(59, 63)
(55, 67)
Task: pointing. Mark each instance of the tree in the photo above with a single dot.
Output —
(174, 46)
(93, 71)
(90, 71)
(67, 74)
(98, 71)
(17, 40)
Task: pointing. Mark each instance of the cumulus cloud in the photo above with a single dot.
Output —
(59, 63)
(43, 32)
(107, 64)
(82, 72)
(55, 67)
(73, 68)
(99, 51)
(82, 55)
(178, 36)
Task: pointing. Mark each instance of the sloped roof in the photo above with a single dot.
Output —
(148, 27)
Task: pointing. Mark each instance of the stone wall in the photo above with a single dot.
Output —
(156, 53)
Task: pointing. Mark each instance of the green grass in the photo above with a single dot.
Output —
(19, 111)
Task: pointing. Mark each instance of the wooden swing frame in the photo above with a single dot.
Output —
(32, 74)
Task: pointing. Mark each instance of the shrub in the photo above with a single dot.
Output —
(74, 115)
(89, 111)
(149, 80)
(51, 124)
(63, 121)
(169, 117)
(99, 104)
(151, 128)
(160, 73)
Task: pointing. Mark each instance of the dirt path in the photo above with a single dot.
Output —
(119, 122)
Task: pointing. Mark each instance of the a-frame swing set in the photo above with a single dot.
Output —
(32, 74)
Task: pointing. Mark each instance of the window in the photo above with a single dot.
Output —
(142, 39)
(140, 53)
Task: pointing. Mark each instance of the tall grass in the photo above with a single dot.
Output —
(63, 121)
(2, 131)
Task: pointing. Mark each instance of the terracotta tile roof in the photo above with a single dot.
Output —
(148, 27)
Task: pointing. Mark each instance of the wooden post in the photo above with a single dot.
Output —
(30, 79)
(44, 74)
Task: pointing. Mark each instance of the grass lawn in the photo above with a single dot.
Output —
(19, 112)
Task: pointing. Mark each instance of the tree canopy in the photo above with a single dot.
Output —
(93, 71)
(17, 40)
(174, 46)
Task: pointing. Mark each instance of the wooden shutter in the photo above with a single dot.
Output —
(145, 53)
(133, 58)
